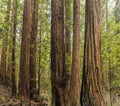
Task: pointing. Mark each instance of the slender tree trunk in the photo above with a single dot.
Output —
(33, 45)
(58, 72)
(117, 14)
(24, 56)
(68, 28)
(39, 67)
(4, 46)
(110, 78)
(39, 52)
(109, 59)
(92, 84)
(9, 56)
(9, 62)
(15, 2)
(75, 74)
(9, 49)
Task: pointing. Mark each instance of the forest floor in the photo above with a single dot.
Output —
(7, 100)
(5, 96)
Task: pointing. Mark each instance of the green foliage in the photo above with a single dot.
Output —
(44, 30)
(110, 51)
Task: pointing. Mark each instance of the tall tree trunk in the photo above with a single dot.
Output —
(15, 2)
(109, 59)
(110, 78)
(39, 53)
(4, 45)
(91, 92)
(9, 60)
(117, 14)
(58, 72)
(75, 74)
(68, 28)
(33, 45)
(9, 55)
(24, 56)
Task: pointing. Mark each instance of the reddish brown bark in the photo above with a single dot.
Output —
(33, 46)
(24, 53)
(58, 72)
(15, 2)
(91, 92)
(39, 52)
(75, 74)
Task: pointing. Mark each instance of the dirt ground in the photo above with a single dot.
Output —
(5, 95)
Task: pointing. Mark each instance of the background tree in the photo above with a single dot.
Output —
(33, 45)
(75, 74)
(68, 25)
(4, 44)
(15, 3)
(24, 56)
(68, 28)
(117, 9)
(39, 52)
(44, 48)
(110, 53)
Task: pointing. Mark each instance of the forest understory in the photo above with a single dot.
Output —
(6, 99)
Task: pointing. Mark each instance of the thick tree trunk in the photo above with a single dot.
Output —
(24, 56)
(91, 92)
(4, 46)
(15, 2)
(33, 45)
(75, 74)
(58, 72)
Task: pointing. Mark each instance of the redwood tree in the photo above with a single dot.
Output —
(58, 72)
(91, 92)
(24, 53)
(13, 47)
(39, 56)
(33, 46)
(75, 74)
